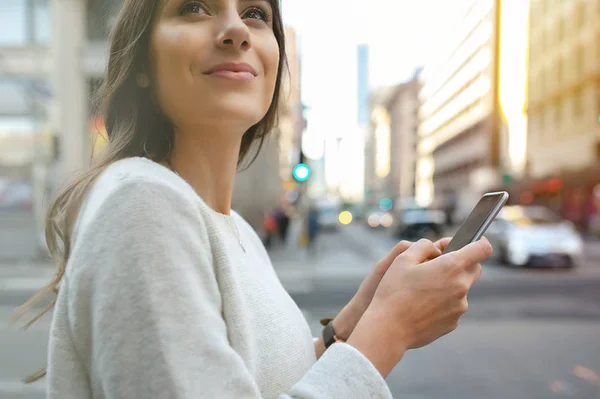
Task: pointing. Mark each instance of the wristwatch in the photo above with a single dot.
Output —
(329, 335)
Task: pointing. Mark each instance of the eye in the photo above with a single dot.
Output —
(192, 7)
(256, 13)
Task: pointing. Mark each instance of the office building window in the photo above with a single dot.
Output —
(24, 22)
(537, 123)
(579, 61)
(579, 15)
(549, 117)
(13, 20)
(565, 109)
(41, 20)
(578, 103)
(14, 97)
(542, 83)
(560, 30)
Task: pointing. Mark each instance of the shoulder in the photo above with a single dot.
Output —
(130, 173)
(137, 207)
(135, 184)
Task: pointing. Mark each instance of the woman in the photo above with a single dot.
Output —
(163, 291)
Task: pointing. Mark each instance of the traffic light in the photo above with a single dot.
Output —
(301, 172)
(386, 204)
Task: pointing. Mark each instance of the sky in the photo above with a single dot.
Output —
(401, 35)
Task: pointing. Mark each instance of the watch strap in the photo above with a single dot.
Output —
(329, 335)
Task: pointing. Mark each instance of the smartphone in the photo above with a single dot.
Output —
(478, 220)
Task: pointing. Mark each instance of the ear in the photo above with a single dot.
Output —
(142, 80)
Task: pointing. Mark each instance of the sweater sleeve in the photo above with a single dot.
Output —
(154, 314)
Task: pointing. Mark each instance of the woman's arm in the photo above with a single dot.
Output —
(155, 309)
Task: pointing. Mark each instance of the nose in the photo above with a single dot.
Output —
(234, 33)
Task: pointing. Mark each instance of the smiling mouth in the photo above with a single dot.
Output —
(233, 75)
(233, 71)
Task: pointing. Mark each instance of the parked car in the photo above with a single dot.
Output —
(416, 223)
(535, 236)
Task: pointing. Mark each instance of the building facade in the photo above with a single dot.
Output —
(53, 54)
(404, 121)
(390, 150)
(473, 130)
(564, 89)
(458, 146)
(262, 187)
(564, 108)
(378, 149)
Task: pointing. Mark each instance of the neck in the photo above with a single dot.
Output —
(208, 164)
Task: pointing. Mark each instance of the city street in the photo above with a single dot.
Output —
(528, 333)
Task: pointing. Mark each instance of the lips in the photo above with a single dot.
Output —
(233, 71)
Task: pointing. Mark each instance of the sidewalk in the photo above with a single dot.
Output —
(25, 276)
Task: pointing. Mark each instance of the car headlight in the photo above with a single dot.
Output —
(515, 238)
(573, 245)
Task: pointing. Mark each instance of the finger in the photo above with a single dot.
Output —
(399, 248)
(467, 256)
(384, 263)
(474, 253)
(421, 251)
(474, 272)
(443, 243)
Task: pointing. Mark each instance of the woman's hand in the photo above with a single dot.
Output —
(345, 322)
(419, 299)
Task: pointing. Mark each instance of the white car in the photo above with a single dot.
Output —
(535, 236)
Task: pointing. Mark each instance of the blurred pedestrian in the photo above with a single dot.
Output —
(162, 290)
(283, 223)
(312, 229)
(450, 208)
(270, 229)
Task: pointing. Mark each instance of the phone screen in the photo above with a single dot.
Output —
(486, 209)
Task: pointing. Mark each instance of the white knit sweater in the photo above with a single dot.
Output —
(161, 301)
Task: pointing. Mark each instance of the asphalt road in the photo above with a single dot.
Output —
(528, 334)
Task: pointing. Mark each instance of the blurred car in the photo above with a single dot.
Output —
(416, 223)
(535, 236)
(329, 213)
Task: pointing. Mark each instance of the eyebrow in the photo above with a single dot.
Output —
(167, 2)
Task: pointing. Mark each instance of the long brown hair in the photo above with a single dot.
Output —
(136, 127)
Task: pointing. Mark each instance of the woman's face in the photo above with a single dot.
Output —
(213, 63)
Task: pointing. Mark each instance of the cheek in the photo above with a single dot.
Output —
(271, 63)
(170, 60)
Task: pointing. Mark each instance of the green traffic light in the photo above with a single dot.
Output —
(386, 204)
(301, 172)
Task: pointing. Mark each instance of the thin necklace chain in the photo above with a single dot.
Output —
(231, 223)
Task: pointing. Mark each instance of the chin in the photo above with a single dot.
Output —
(245, 113)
